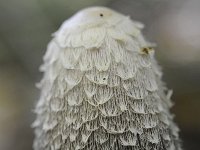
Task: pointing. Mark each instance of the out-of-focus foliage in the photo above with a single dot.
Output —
(25, 29)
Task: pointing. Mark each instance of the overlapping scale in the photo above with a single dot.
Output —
(113, 79)
(90, 88)
(114, 124)
(57, 143)
(150, 121)
(154, 104)
(135, 127)
(131, 45)
(65, 133)
(73, 135)
(137, 92)
(67, 58)
(49, 123)
(134, 122)
(92, 125)
(86, 61)
(75, 96)
(116, 49)
(71, 117)
(138, 106)
(110, 108)
(103, 94)
(56, 104)
(52, 53)
(73, 77)
(97, 76)
(91, 40)
(57, 88)
(126, 72)
(121, 99)
(80, 38)
(85, 134)
(109, 144)
(88, 112)
(149, 80)
(128, 139)
(102, 58)
(77, 123)
(101, 136)
(152, 135)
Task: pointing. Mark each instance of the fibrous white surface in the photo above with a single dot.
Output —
(102, 88)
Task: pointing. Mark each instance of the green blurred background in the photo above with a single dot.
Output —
(25, 30)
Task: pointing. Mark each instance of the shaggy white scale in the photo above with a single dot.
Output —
(102, 88)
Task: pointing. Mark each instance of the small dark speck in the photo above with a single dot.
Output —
(145, 50)
(104, 78)
(101, 15)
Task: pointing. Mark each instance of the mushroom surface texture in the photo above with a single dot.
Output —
(102, 88)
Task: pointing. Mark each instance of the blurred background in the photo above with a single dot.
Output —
(25, 30)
